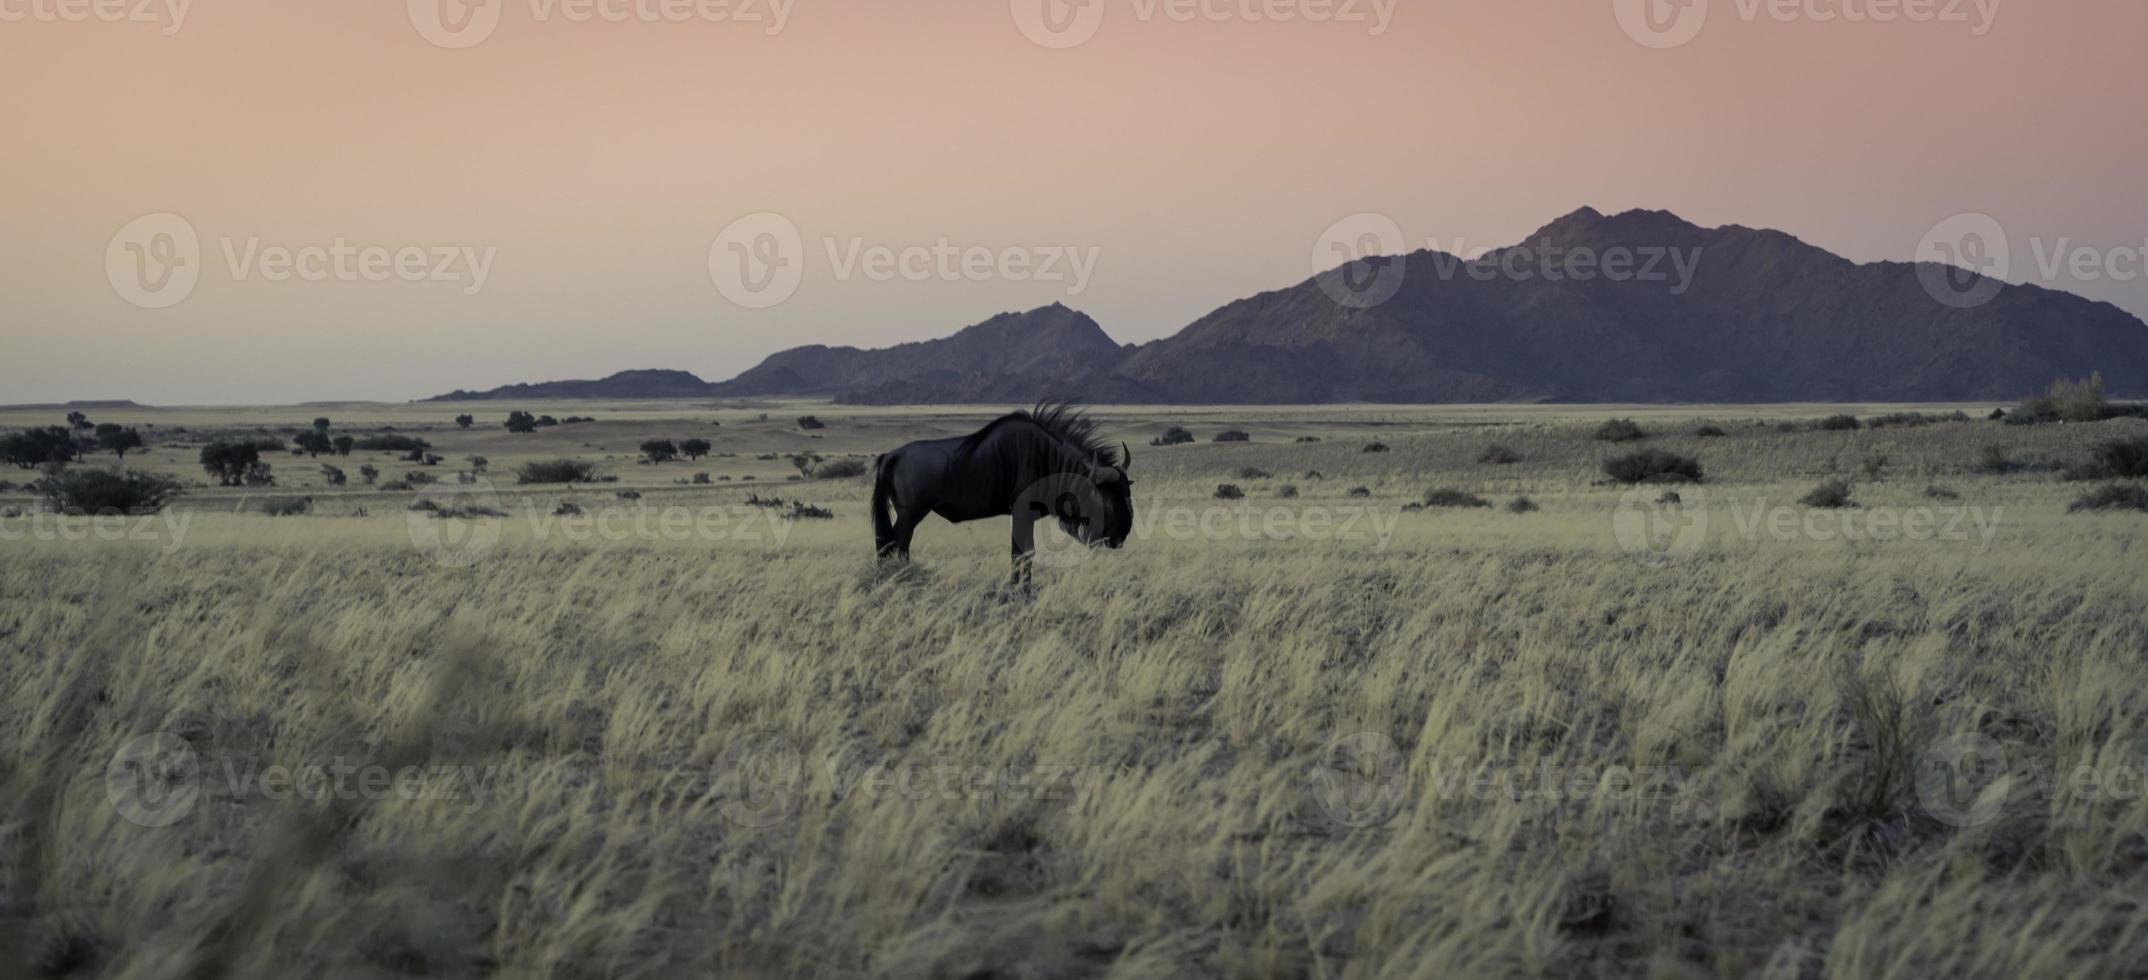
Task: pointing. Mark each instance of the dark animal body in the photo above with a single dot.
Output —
(1047, 462)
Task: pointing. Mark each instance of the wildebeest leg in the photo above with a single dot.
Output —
(1024, 554)
(906, 522)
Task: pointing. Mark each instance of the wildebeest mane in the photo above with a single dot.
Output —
(1067, 423)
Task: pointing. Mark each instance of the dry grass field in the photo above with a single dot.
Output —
(1315, 731)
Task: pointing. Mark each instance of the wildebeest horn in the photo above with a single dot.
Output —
(1126, 456)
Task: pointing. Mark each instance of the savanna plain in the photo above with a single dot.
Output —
(1374, 692)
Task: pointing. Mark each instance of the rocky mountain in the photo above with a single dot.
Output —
(1637, 307)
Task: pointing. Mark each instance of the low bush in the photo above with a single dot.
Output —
(2124, 458)
(1498, 455)
(1360, 492)
(1233, 436)
(392, 444)
(1454, 498)
(811, 424)
(87, 491)
(1912, 420)
(1307, 440)
(1653, 465)
(1377, 447)
(1522, 505)
(2117, 496)
(1230, 491)
(1251, 473)
(1838, 423)
(1173, 436)
(1286, 492)
(1937, 492)
(556, 471)
(1832, 495)
(1620, 430)
(840, 469)
(1710, 432)
(288, 507)
(1994, 460)
(808, 512)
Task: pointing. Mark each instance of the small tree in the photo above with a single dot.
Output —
(334, 475)
(321, 425)
(521, 422)
(315, 443)
(464, 421)
(344, 445)
(117, 440)
(236, 464)
(36, 447)
(478, 464)
(810, 423)
(695, 448)
(109, 492)
(369, 473)
(660, 450)
(77, 420)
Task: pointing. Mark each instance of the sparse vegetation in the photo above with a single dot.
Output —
(1839, 423)
(96, 491)
(1377, 447)
(1234, 436)
(1454, 498)
(811, 424)
(1831, 495)
(1173, 436)
(2117, 496)
(1522, 505)
(236, 464)
(1498, 455)
(1620, 430)
(840, 469)
(556, 471)
(1230, 491)
(1710, 432)
(1653, 465)
(2067, 401)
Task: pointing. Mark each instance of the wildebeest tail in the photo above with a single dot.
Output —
(883, 504)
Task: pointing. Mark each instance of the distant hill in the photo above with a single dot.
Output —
(1749, 316)
(624, 385)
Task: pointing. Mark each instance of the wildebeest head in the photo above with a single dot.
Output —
(1115, 495)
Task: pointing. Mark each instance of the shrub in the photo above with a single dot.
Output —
(334, 475)
(2117, 496)
(235, 464)
(1173, 436)
(2124, 458)
(1307, 440)
(660, 450)
(1710, 432)
(1230, 491)
(465, 421)
(521, 422)
(1937, 492)
(1523, 505)
(1498, 455)
(1454, 498)
(701, 479)
(1361, 491)
(1252, 473)
(810, 424)
(628, 495)
(2066, 401)
(1653, 465)
(1619, 430)
(1377, 447)
(1874, 466)
(695, 448)
(419, 478)
(1832, 495)
(1233, 436)
(1994, 460)
(393, 444)
(33, 448)
(287, 507)
(108, 492)
(270, 444)
(343, 445)
(117, 440)
(1911, 420)
(369, 473)
(1286, 492)
(808, 512)
(840, 469)
(567, 508)
(1838, 423)
(556, 471)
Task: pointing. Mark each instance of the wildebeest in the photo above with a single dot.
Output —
(1046, 462)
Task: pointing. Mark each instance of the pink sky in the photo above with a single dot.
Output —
(1197, 161)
